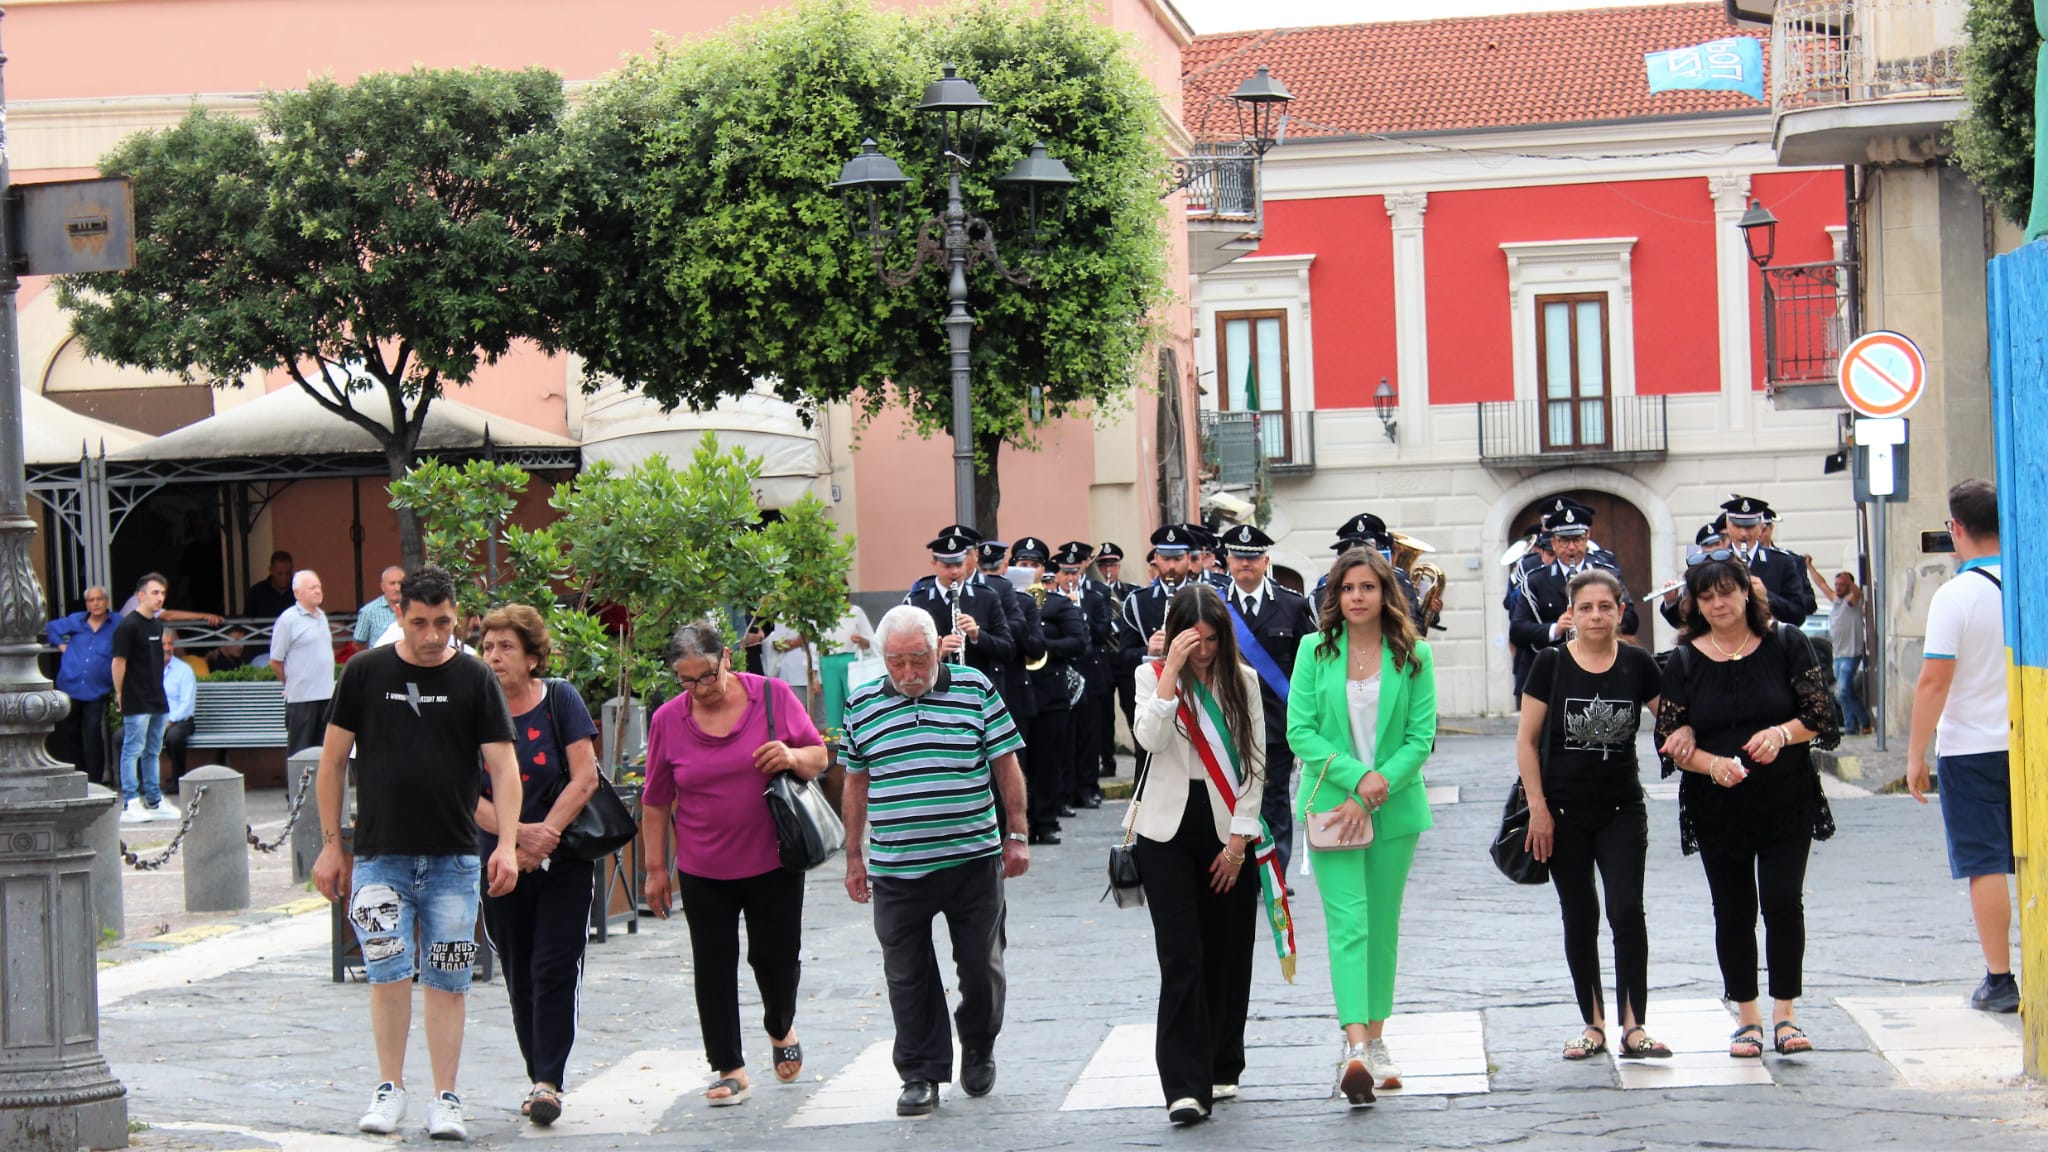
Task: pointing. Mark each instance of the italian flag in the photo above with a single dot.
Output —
(1211, 739)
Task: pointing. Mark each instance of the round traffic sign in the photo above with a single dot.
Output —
(1882, 374)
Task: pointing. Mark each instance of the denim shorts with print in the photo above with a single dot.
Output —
(407, 907)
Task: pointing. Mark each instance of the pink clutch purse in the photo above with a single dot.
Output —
(1322, 833)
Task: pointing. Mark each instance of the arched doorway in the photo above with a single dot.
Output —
(1620, 528)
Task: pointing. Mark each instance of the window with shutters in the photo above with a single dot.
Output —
(1251, 362)
(1572, 370)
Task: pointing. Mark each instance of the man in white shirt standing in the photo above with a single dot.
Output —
(302, 652)
(1962, 683)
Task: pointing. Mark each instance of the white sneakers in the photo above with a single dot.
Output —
(387, 1108)
(1381, 1063)
(387, 1111)
(444, 1118)
(136, 812)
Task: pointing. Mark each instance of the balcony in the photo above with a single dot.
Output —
(1806, 326)
(1224, 220)
(1550, 434)
(1865, 80)
(1247, 448)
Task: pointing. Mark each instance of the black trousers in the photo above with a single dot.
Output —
(177, 735)
(305, 725)
(1204, 941)
(1049, 769)
(970, 897)
(538, 931)
(1743, 880)
(1092, 718)
(1277, 803)
(1615, 839)
(81, 739)
(773, 904)
(1127, 700)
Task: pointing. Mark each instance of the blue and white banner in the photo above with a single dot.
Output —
(1732, 65)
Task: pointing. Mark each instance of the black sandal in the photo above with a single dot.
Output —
(793, 1054)
(1749, 1036)
(1788, 1039)
(1650, 1049)
(1583, 1047)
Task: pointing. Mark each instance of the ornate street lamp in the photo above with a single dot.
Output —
(956, 240)
(1384, 402)
(1759, 233)
(1261, 101)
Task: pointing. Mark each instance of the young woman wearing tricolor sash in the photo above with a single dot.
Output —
(1197, 821)
(1361, 715)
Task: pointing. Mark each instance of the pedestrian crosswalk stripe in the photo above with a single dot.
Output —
(1697, 1032)
(1439, 1053)
(863, 1092)
(627, 1098)
(1442, 794)
(1121, 1074)
(1938, 1042)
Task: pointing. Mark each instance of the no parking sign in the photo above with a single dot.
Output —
(1882, 374)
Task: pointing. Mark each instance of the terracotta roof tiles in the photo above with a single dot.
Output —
(1473, 72)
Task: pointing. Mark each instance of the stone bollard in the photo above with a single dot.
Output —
(104, 834)
(217, 845)
(305, 841)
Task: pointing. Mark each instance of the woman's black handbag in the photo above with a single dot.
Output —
(604, 825)
(1511, 845)
(807, 831)
(1125, 887)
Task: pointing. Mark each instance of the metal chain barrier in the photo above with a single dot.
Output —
(191, 809)
(291, 818)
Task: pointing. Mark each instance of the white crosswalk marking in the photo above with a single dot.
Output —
(1440, 794)
(1696, 1031)
(1938, 1042)
(1121, 1074)
(1439, 1053)
(864, 1092)
(627, 1098)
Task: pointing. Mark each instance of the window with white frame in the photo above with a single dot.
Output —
(1251, 369)
(1572, 358)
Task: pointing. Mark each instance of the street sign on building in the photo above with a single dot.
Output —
(64, 226)
(1882, 374)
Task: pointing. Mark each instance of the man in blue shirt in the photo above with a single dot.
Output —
(85, 672)
(181, 690)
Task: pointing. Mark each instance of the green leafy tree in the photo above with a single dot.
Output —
(1995, 142)
(810, 595)
(371, 240)
(711, 160)
(464, 514)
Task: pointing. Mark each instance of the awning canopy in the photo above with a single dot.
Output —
(625, 428)
(54, 434)
(288, 422)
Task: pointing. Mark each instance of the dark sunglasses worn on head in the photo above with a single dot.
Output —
(1717, 555)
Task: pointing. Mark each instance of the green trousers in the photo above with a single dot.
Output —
(1361, 893)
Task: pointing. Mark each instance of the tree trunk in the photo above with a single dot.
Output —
(411, 551)
(988, 484)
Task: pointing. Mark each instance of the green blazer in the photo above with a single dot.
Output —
(1319, 725)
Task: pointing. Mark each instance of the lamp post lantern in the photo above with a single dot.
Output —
(1759, 233)
(873, 185)
(1384, 401)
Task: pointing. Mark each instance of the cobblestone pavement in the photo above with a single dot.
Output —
(241, 1041)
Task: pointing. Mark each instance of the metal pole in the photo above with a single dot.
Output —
(960, 331)
(56, 1092)
(1879, 657)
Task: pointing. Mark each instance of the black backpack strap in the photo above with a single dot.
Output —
(1988, 574)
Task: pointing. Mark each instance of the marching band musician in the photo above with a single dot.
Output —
(1781, 575)
(1366, 530)
(1204, 555)
(972, 625)
(1535, 621)
(1092, 716)
(1145, 609)
(1275, 619)
(1049, 770)
(1706, 539)
(1021, 613)
(1109, 565)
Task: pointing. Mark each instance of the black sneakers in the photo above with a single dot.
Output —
(1998, 993)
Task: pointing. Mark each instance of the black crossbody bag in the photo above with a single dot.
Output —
(604, 825)
(807, 831)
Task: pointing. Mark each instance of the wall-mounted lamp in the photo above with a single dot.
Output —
(1759, 233)
(1383, 403)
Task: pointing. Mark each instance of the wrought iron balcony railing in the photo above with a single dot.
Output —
(1806, 322)
(1554, 433)
(1222, 182)
(1832, 52)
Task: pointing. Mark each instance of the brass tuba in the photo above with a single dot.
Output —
(1428, 578)
(1037, 592)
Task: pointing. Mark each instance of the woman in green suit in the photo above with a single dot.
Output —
(1361, 714)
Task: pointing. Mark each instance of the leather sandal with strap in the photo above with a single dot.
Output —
(1787, 1038)
(1747, 1042)
(788, 1054)
(1583, 1047)
(1646, 1048)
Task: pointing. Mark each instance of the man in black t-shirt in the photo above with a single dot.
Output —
(139, 693)
(419, 714)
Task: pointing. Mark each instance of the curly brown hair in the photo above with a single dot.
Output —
(526, 623)
(1396, 626)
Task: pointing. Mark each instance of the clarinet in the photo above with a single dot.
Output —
(959, 656)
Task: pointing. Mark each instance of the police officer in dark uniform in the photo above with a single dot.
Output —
(1366, 530)
(1050, 766)
(1109, 566)
(1781, 574)
(1277, 617)
(1093, 715)
(973, 627)
(1144, 612)
(1707, 539)
(1212, 564)
(1533, 624)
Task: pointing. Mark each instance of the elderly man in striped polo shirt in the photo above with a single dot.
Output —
(926, 749)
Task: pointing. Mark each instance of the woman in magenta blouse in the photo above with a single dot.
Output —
(709, 755)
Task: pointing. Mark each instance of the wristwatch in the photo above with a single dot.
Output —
(1019, 837)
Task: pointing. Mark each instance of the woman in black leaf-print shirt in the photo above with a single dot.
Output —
(1576, 749)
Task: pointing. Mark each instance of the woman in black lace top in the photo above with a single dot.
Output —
(1743, 699)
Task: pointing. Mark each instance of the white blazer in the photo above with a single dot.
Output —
(1165, 787)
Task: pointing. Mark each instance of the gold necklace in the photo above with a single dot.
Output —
(1726, 654)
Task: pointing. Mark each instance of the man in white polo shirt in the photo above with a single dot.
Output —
(302, 652)
(1962, 683)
